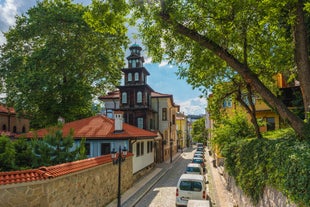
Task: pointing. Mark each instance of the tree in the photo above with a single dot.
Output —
(254, 39)
(24, 156)
(7, 154)
(199, 131)
(55, 148)
(61, 55)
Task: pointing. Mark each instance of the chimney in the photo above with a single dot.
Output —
(118, 121)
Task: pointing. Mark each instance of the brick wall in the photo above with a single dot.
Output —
(92, 187)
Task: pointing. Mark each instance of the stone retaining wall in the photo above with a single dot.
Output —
(271, 197)
(92, 187)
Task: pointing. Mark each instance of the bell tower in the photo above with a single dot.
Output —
(135, 94)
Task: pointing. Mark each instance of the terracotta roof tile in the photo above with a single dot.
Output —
(43, 173)
(97, 127)
(4, 109)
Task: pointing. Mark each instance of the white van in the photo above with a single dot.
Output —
(190, 186)
(194, 168)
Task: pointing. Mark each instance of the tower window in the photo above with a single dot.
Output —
(139, 97)
(124, 97)
(136, 76)
(133, 63)
(129, 77)
(140, 122)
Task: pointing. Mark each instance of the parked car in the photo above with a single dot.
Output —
(200, 152)
(200, 149)
(199, 144)
(194, 168)
(190, 187)
(198, 155)
(199, 161)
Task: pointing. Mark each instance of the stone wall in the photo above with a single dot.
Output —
(92, 187)
(271, 197)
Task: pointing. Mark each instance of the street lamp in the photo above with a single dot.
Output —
(118, 159)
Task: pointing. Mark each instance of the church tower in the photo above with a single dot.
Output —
(135, 94)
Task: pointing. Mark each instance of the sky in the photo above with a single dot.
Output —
(162, 76)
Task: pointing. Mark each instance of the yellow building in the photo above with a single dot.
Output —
(264, 113)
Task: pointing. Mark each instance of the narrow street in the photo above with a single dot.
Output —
(162, 194)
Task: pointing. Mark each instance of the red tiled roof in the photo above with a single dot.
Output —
(44, 173)
(111, 95)
(7, 133)
(4, 109)
(97, 127)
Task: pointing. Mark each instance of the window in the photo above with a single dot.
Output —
(87, 148)
(140, 122)
(191, 186)
(136, 76)
(164, 114)
(227, 103)
(14, 129)
(124, 97)
(4, 127)
(133, 63)
(139, 97)
(270, 123)
(149, 146)
(138, 149)
(105, 148)
(142, 148)
(24, 129)
(129, 77)
(173, 119)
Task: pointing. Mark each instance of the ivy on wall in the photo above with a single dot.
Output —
(278, 160)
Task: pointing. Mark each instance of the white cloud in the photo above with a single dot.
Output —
(8, 11)
(163, 64)
(194, 106)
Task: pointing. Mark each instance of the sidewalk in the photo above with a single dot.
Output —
(220, 196)
(141, 187)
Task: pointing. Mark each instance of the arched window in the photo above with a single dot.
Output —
(14, 129)
(139, 97)
(4, 127)
(129, 77)
(124, 97)
(133, 63)
(136, 76)
(24, 129)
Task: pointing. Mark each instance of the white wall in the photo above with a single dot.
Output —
(142, 161)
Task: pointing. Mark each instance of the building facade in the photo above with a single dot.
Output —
(143, 107)
(10, 123)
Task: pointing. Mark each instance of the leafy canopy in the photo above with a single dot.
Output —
(61, 55)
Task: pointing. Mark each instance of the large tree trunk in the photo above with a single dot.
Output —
(301, 55)
(249, 77)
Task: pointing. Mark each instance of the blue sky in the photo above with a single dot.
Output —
(162, 76)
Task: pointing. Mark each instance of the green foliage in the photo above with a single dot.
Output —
(221, 41)
(55, 148)
(7, 154)
(60, 55)
(199, 131)
(24, 156)
(279, 160)
(230, 131)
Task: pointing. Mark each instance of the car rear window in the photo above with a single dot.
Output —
(197, 161)
(193, 169)
(190, 186)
